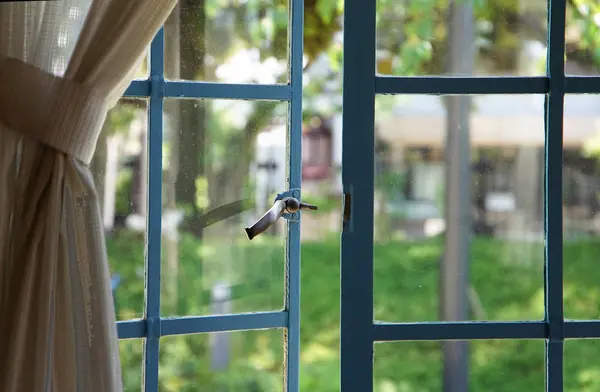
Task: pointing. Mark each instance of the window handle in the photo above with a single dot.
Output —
(287, 205)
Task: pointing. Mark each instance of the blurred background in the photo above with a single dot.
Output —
(436, 157)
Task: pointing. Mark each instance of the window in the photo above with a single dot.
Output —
(209, 316)
(316, 151)
(217, 194)
(362, 332)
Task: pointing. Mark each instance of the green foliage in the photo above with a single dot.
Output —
(583, 16)
(414, 35)
(406, 279)
(120, 117)
(202, 200)
(391, 184)
(326, 203)
(123, 193)
(321, 22)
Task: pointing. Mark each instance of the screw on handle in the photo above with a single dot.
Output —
(288, 205)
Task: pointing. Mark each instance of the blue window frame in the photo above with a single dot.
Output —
(153, 326)
(361, 85)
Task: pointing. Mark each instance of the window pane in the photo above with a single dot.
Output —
(118, 168)
(225, 361)
(228, 41)
(507, 38)
(492, 365)
(224, 163)
(581, 208)
(144, 67)
(581, 372)
(130, 353)
(582, 38)
(473, 250)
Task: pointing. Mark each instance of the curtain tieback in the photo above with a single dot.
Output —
(61, 113)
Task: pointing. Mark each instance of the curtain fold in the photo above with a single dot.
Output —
(63, 64)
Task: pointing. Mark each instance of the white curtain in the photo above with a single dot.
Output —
(63, 64)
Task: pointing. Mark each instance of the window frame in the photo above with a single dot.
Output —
(154, 326)
(359, 332)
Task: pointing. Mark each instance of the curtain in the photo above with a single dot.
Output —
(63, 65)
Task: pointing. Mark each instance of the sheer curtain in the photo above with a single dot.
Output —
(63, 64)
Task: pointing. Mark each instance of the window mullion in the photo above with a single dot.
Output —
(154, 214)
(294, 142)
(553, 229)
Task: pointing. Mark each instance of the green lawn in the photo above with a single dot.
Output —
(507, 277)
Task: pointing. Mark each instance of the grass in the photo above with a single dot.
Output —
(507, 277)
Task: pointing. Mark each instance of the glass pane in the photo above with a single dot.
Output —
(581, 372)
(223, 362)
(143, 70)
(581, 208)
(118, 168)
(582, 38)
(130, 353)
(459, 218)
(224, 163)
(508, 38)
(489, 365)
(322, 181)
(228, 41)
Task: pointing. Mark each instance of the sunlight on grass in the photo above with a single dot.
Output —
(318, 352)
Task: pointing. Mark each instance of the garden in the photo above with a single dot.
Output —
(406, 284)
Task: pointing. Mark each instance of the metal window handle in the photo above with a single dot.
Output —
(287, 205)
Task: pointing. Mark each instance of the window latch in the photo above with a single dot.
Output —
(286, 207)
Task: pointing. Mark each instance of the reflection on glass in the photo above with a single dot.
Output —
(119, 173)
(459, 208)
(231, 41)
(581, 219)
(581, 372)
(491, 365)
(415, 37)
(130, 354)
(224, 163)
(224, 361)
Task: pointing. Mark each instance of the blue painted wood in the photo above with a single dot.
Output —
(460, 85)
(436, 85)
(554, 365)
(202, 324)
(138, 88)
(207, 90)
(582, 85)
(358, 171)
(383, 332)
(459, 331)
(582, 329)
(553, 200)
(153, 243)
(189, 89)
(131, 329)
(292, 305)
(224, 323)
